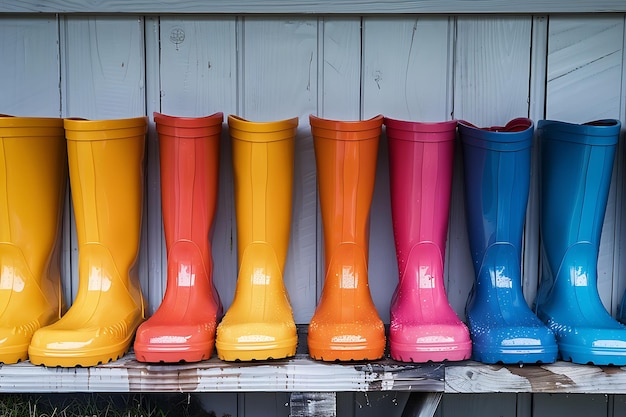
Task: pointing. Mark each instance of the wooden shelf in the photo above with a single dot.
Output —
(360, 7)
(302, 374)
(559, 377)
(299, 374)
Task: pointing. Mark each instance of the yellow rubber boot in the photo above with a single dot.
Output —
(259, 324)
(106, 178)
(33, 180)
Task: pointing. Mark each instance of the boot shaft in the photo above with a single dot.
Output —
(189, 161)
(106, 179)
(420, 173)
(33, 175)
(263, 174)
(576, 168)
(497, 179)
(345, 155)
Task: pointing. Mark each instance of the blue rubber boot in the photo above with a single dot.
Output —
(502, 326)
(576, 165)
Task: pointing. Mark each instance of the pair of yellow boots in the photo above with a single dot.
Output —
(105, 160)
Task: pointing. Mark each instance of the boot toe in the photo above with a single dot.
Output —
(172, 344)
(248, 341)
(429, 342)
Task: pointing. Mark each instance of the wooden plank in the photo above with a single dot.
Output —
(570, 405)
(461, 405)
(299, 374)
(264, 404)
(313, 404)
(309, 6)
(340, 68)
(422, 404)
(407, 67)
(560, 377)
(29, 72)
(536, 111)
(619, 285)
(153, 283)
(584, 68)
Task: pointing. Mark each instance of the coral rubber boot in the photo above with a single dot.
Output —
(502, 326)
(346, 325)
(183, 327)
(423, 327)
(259, 323)
(33, 181)
(106, 179)
(576, 166)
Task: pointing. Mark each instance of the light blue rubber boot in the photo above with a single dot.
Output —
(502, 326)
(576, 165)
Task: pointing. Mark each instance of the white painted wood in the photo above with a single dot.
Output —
(491, 78)
(309, 6)
(103, 78)
(536, 111)
(279, 81)
(407, 68)
(619, 284)
(340, 68)
(491, 71)
(29, 69)
(153, 283)
(585, 58)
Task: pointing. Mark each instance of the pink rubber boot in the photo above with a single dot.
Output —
(423, 325)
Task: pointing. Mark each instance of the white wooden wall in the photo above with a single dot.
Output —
(484, 69)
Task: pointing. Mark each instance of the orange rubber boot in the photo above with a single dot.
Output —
(33, 180)
(183, 327)
(346, 325)
(106, 179)
(259, 324)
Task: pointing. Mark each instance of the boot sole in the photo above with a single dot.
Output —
(345, 352)
(173, 353)
(599, 357)
(14, 355)
(245, 352)
(72, 361)
(422, 353)
(73, 358)
(515, 356)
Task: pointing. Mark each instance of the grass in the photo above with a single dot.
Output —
(100, 405)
